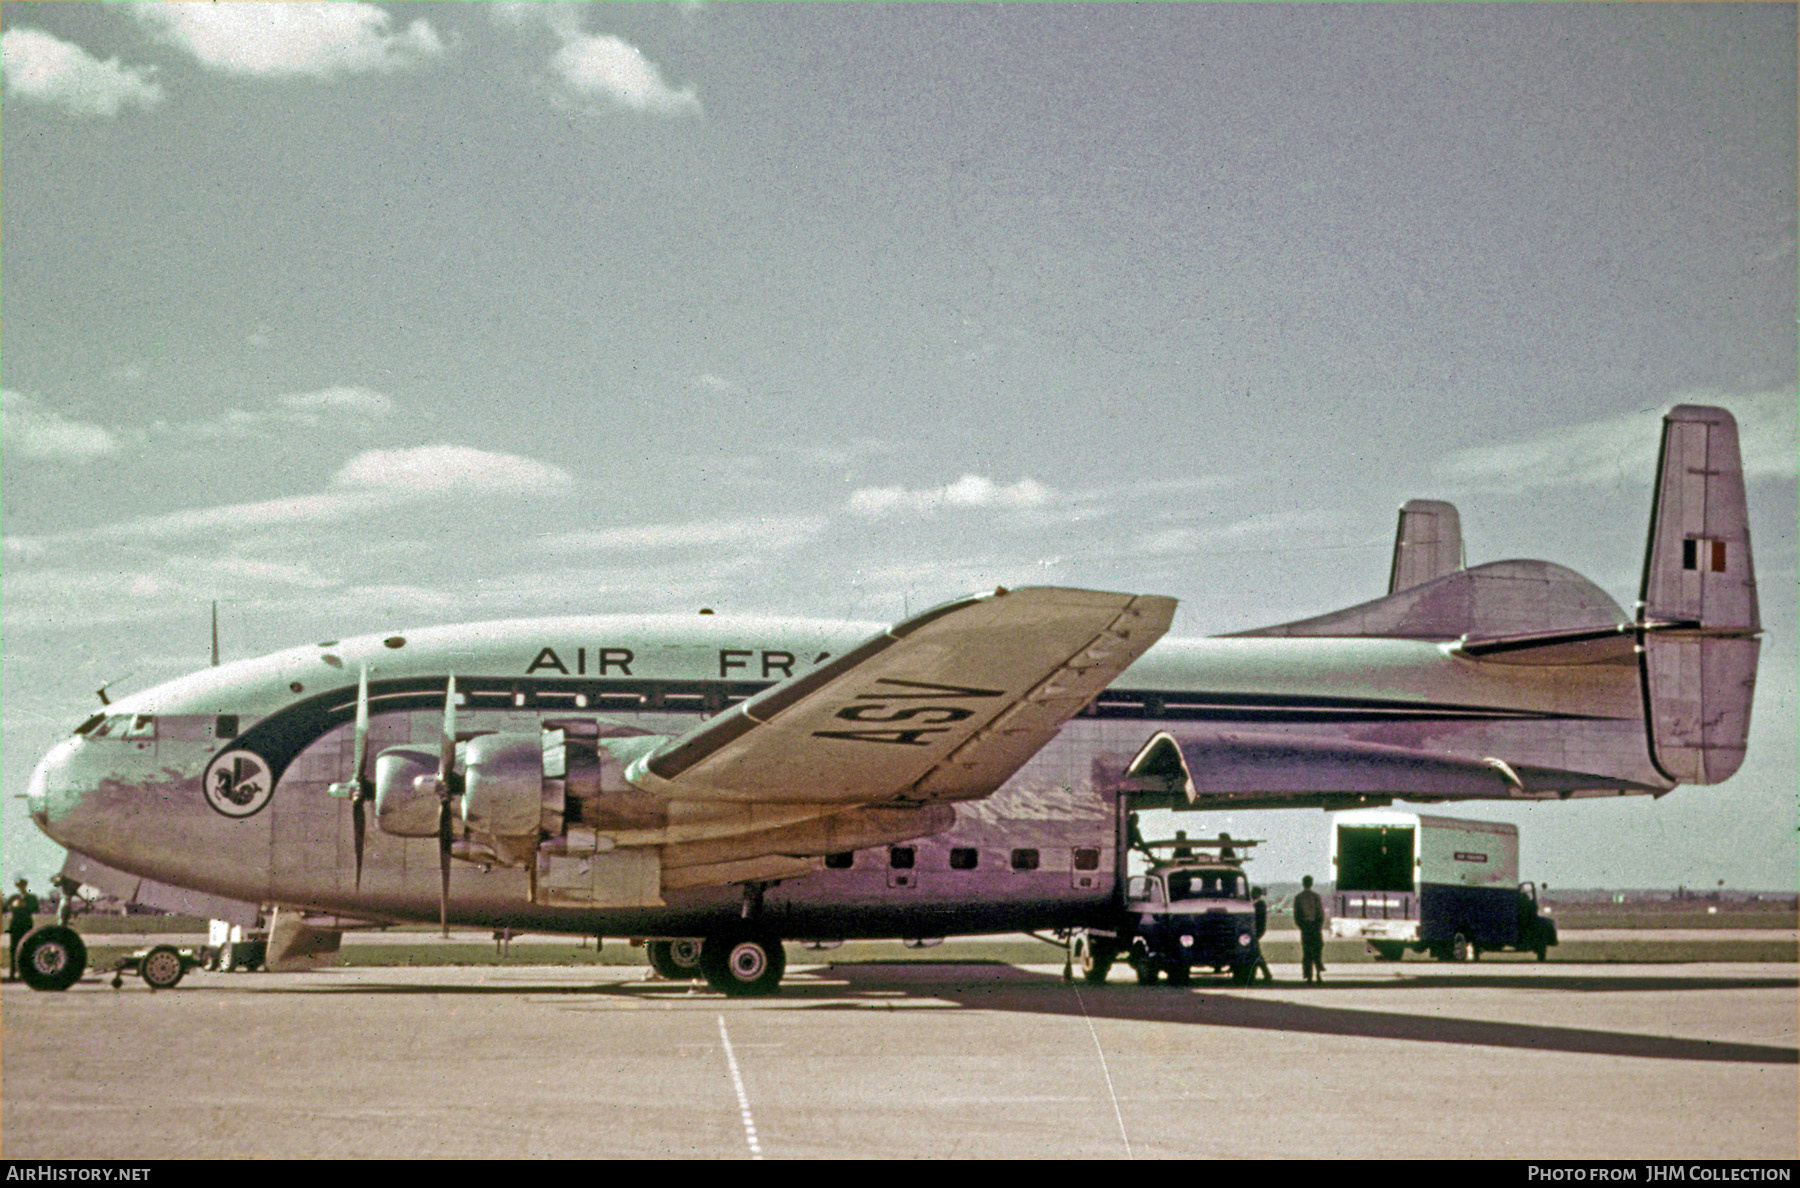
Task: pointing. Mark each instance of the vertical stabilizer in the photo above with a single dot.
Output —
(1699, 615)
(1427, 545)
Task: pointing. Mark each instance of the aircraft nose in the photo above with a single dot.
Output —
(50, 796)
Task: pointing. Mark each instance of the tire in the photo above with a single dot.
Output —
(1387, 950)
(162, 968)
(743, 966)
(52, 958)
(676, 960)
(1460, 948)
(1180, 975)
(1145, 969)
(1243, 975)
(1093, 958)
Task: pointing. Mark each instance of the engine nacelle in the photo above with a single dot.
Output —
(402, 807)
(505, 792)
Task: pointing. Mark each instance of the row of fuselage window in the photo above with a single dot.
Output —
(964, 858)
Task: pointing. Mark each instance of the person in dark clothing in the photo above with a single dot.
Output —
(20, 908)
(1134, 839)
(1262, 926)
(1309, 918)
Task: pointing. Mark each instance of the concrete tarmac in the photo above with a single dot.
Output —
(911, 1060)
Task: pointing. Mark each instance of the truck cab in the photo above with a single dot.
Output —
(1195, 911)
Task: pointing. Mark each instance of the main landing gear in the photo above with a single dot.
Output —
(743, 964)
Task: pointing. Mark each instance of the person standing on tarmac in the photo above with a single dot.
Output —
(1262, 926)
(20, 908)
(1309, 918)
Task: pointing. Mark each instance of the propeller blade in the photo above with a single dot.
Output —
(444, 866)
(446, 788)
(359, 764)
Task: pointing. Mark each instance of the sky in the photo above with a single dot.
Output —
(358, 318)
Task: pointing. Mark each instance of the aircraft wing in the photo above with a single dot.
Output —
(943, 706)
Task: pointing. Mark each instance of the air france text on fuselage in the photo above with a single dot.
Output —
(741, 663)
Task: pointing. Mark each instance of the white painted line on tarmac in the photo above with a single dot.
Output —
(1104, 1071)
(737, 1082)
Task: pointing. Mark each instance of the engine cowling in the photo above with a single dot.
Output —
(402, 807)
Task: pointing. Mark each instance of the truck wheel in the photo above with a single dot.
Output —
(162, 968)
(52, 958)
(743, 966)
(1094, 959)
(1180, 975)
(1387, 950)
(1460, 948)
(1145, 969)
(1243, 975)
(676, 960)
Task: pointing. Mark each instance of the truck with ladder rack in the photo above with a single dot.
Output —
(1193, 909)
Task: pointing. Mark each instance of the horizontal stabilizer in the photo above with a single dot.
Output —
(1598, 645)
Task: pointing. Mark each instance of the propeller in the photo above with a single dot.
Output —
(359, 788)
(445, 784)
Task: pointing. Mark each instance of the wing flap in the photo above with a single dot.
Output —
(945, 705)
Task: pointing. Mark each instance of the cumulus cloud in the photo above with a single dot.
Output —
(349, 402)
(329, 408)
(448, 468)
(40, 68)
(614, 69)
(372, 482)
(31, 430)
(598, 66)
(1603, 452)
(289, 39)
(969, 491)
(763, 534)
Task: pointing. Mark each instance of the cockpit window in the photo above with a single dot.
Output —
(132, 726)
(90, 724)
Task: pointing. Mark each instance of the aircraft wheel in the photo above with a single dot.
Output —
(676, 960)
(743, 966)
(162, 968)
(52, 958)
(1460, 948)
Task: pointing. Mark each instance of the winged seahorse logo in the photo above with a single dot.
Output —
(238, 783)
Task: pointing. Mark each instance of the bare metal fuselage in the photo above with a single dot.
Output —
(1043, 851)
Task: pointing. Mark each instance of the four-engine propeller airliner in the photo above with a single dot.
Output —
(716, 785)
